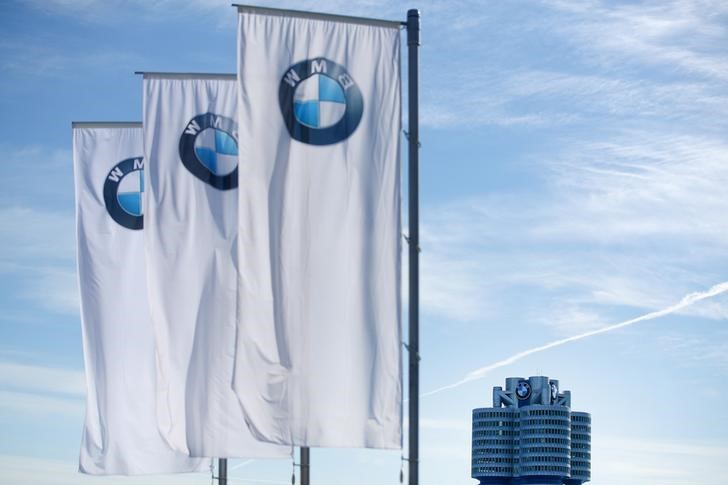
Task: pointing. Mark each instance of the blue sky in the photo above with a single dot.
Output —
(574, 174)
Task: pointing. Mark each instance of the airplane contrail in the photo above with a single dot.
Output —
(241, 465)
(686, 301)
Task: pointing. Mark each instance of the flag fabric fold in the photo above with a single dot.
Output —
(191, 142)
(318, 359)
(120, 434)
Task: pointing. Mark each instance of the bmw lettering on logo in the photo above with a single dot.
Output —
(123, 190)
(208, 148)
(320, 102)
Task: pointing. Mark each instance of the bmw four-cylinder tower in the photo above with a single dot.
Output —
(531, 436)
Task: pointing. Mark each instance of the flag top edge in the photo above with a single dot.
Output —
(187, 75)
(280, 12)
(106, 124)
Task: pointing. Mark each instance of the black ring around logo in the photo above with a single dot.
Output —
(189, 155)
(111, 193)
(523, 390)
(352, 97)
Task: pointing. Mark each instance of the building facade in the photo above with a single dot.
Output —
(531, 436)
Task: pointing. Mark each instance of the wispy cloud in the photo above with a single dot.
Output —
(664, 462)
(41, 390)
(42, 379)
(663, 447)
(697, 351)
(441, 424)
(644, 95)
(19, 470)
(32, 58)
(642, 184)
(36, 236)
(643, 62)
(114, 11)
(582, 233)
(53, 289)
(686, 301)
(676, 35)
(38, 248)
(643, 90)
(491, 95)
(458, 14)
(25, 403)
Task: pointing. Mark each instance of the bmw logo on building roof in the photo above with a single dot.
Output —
(208, 148)
(523, 390)
(320, 102)
(123, 190)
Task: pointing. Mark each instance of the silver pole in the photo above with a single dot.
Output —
(305, 465)
(413, 43)
(222, 471)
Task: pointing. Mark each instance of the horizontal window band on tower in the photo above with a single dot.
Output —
(500, 450)
(545, 459)
(493, 423)
(546, 420)
(549, 469)
(546, 449)
(494, 459)
(560, 441)
(537, 431)
(493, 432)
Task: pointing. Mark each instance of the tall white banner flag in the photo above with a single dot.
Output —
(191, 142)
(120, 430)
(319, 339)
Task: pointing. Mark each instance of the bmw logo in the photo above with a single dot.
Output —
(523, 390)
(554, 391)
(123, 189)
(320, 102)
(208, 148)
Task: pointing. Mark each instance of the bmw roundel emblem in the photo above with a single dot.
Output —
(123, 190)
(554, 391)
(208, 148)
(320, 102)
(523, 390)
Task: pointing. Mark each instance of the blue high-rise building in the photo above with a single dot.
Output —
(531, 436)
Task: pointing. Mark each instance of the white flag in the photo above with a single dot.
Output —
(120, 431)
(319, 339)
(190, 140)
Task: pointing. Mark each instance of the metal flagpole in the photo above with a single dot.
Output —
(222, 471)
(305, 465)
(413, 43)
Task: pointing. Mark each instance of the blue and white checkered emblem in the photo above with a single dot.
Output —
(320, 102)
(217, 151)
(523, 390)
(123, 193)
(129, 192)
(208, 148)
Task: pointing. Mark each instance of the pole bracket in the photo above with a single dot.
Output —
(407, 136)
